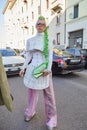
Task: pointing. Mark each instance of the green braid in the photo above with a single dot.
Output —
(46, 47)
(41, 18)
(45, 51)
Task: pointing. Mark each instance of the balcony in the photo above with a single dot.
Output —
(24, 26)
(56, 5)
(25, 1)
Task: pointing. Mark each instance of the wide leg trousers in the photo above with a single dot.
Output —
(49, 100)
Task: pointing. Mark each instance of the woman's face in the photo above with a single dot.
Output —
(40, 26)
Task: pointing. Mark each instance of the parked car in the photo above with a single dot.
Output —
(84, 54)
(64, 62)
(12, 62)
(78, 53)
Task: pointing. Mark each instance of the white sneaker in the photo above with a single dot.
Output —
(27, 119)
(50, 128)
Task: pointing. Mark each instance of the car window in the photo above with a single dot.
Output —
(84, 52)
(74, 51)
(71, 51)
(62, 52)
(66, 53)
(58, 51)
(7, 52)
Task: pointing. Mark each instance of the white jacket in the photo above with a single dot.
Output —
(34, 51)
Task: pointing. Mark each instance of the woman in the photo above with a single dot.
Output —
(38, 51)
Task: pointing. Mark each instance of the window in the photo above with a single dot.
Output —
(27, 19)
(22, 19)
(39, 10)
(26, 6)
(58, 19)
(47, 4)
(58, 38)
(32, 2)
(32, 15)
(76, 8)
(22, 9)
(32, 30)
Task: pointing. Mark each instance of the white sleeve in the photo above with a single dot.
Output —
(28, 56)
(50, 55)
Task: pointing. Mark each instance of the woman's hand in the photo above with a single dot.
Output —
(21, 73)
(45, 73)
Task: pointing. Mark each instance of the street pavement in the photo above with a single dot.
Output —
(71, 100)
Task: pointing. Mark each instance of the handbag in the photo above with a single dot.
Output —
(38, 71)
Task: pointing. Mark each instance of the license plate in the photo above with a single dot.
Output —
(12, 69)
(74, 61)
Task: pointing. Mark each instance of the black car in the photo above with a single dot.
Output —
(64, 62)
(84, 54)
(78, 52)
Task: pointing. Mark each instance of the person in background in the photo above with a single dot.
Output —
(39, 49)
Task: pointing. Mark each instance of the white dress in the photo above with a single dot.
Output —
(34, 51)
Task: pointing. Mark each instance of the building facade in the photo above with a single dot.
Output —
(16, 22)
(20, 17)
(76, 23)
(66, 19)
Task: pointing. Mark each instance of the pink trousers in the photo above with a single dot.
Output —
(50, 105)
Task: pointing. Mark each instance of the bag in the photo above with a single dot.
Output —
(6, 97)
(1, 98)
(38, 71)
